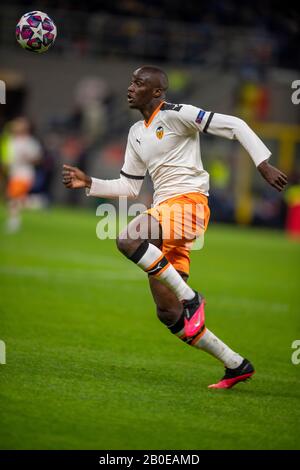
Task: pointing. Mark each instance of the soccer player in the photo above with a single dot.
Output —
(23, 153)
(166, 143)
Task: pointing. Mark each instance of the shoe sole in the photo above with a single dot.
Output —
(229, 383)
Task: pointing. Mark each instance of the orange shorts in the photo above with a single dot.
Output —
(18, 187)
(183, 219)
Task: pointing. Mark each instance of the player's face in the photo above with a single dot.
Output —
(140, 91)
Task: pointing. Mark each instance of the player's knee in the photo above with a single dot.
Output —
(126, 245)
(123, 245)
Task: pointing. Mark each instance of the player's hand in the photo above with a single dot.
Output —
(74, 178)
(272, 175)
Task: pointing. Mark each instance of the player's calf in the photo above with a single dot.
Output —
(170, 315)
(237, 368)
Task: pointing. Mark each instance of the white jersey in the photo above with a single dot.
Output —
(168, 146)
(25, 152)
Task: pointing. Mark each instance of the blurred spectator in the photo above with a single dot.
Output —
(16, 94)
(292, 198)
(269, 210)
(180, 86)
(221, 203)
(252, 100)
(21, 153)
(90, 115)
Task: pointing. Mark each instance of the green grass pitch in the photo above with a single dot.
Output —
(90, 367)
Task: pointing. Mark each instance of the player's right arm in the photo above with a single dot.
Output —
(129, 183)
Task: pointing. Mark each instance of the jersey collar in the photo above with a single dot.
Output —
(147, 123)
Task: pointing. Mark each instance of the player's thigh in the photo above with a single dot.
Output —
(142, 227)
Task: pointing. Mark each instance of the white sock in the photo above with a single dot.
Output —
(155, 263)
(214, 346)
(13, 224)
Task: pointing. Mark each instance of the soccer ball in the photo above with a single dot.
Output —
(36, 31)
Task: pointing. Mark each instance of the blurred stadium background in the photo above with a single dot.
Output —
(229, 57)
(67, 382)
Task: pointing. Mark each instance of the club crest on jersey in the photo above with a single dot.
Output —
(160, 132)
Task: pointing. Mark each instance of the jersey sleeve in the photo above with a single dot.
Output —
(131, 176)
(232, 127)
(114, 188)
(188, 119)
(133, 167)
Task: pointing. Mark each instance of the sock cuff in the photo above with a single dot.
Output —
(178, 326)
(158, 267)
(139, 252)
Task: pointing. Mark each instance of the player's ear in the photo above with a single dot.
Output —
(157, 92)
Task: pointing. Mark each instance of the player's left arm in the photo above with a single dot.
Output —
(190, 119)
(272, 175)
(232, 127)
